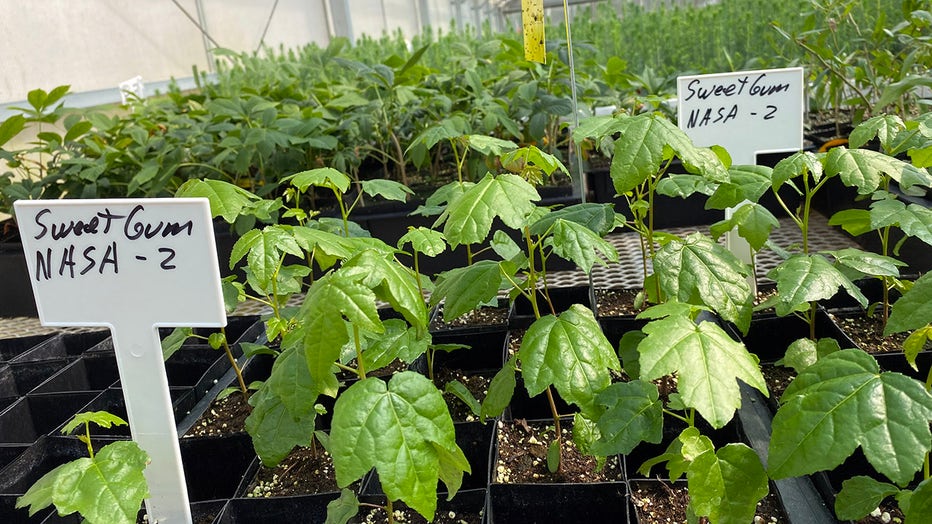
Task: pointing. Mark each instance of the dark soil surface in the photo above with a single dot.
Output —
(867, 333)
(616, 302)
(777, 379)
(486, 316)
(522, 456)
(662, 503)
(224, 417)
(304, 471)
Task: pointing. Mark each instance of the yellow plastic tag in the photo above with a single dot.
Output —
(532, 18)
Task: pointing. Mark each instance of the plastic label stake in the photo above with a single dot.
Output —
(746, 112)
(132, 265)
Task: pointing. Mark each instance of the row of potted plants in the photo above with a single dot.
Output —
(328, 353)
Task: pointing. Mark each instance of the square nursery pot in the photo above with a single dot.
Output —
(309, 508)
(90, 372)
(486, 318)
(656, 501)
(11, 348)
(484, 352)
(542, 503)
(467, 506)
(769, 335)
(33, 416)
(64, 345)
(205, 512)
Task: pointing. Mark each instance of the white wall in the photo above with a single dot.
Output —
(93, 44)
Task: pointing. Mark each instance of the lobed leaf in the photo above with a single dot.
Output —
(633, 414)
(914, 309)
(581, 245)
(570, 352)
(402, 429)
(843, 401)
(469, 217)
(708, 364)
(699, 271)
(803, 279)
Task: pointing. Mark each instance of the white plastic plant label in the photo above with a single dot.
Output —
(132, 265)
(747, 112)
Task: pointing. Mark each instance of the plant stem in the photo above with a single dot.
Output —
(87, 434)
(390, 511)
(236, 368)
(556, 426)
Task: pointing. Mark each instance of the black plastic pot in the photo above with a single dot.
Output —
(307, 508)
(32, 416)
(63, 346)
(483, 354)
(537, 503)
(769, 335)
(91, 372)
(439, 328)
(11, 348)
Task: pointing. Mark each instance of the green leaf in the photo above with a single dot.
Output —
(108, 488)
(569, 352)
(388, 189)
(882, 127)
(599, 218)
(103, 419)
(745, 183)
(843, 401)
(264, 250)
(501, 390)
(460, 391)
(914, 220)
(331, 298)
(11, 127)
(643, 145)
(342, 509)
(398, 342)
(727, 485)
(683, 186)
(920, 503)
(855, 221)
(226, 200)
(699, 271)
(290, 380)
(174, 341)
(581, 245)
(803, 279)
(861, 495)
(397, 428)
(469, 217)
(392, 282)
(273, 430)
(864, 169)
(798, 164)
(505, 247)
(464, 289)
(915, 343)
(805, 352)
(914, 309)
(423, 240)
(321, 177)
(633, 414)
(868, 263)
(707, 361)
(754, 223)
(489, 145)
